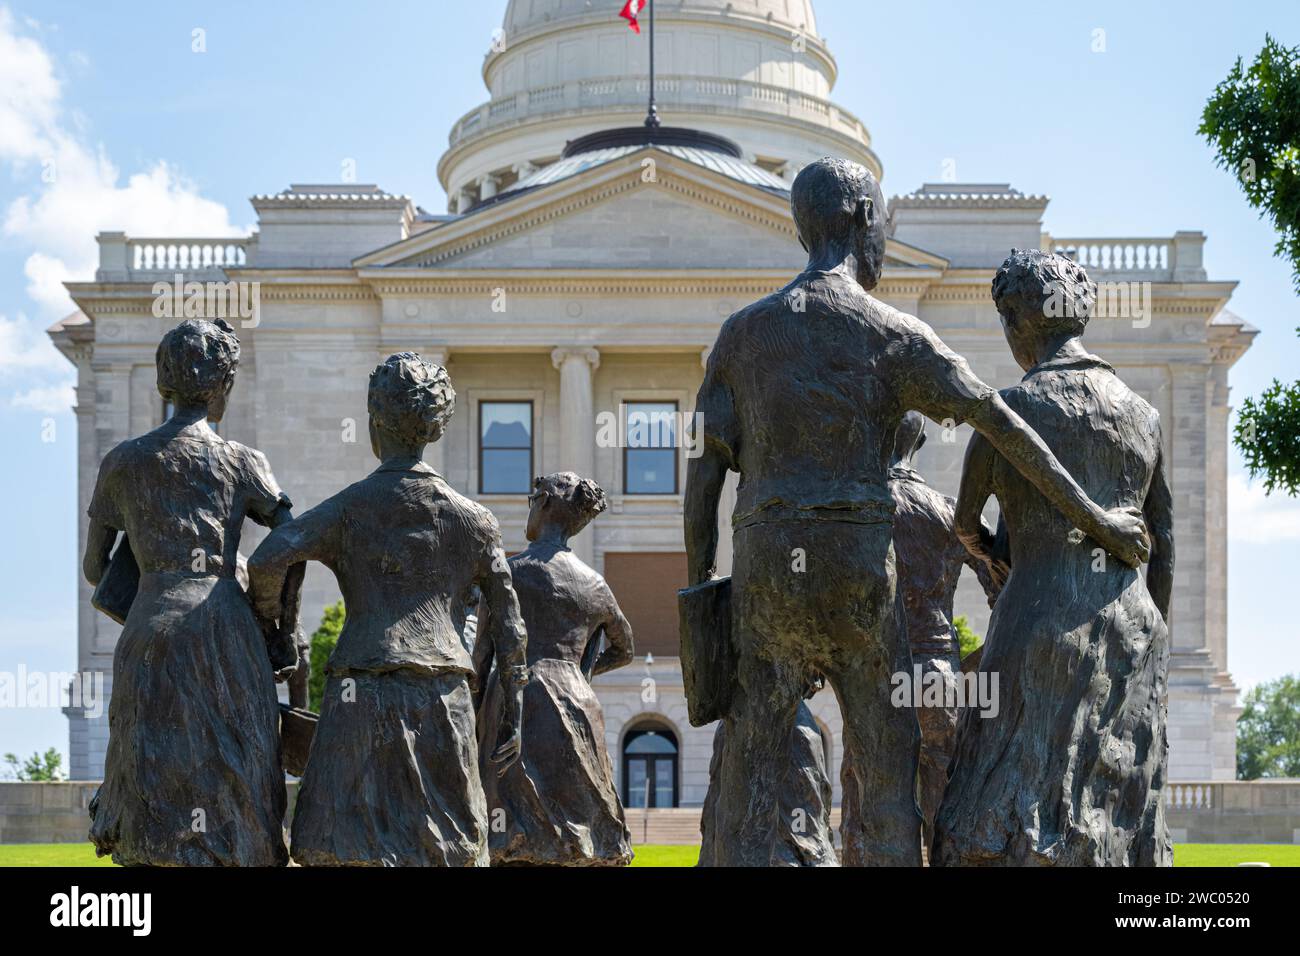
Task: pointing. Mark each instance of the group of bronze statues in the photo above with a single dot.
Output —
(459, 726)
(845, 566)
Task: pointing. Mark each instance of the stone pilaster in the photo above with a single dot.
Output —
(1192, 668)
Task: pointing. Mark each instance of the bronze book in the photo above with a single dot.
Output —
(116, 590)
(708, 656)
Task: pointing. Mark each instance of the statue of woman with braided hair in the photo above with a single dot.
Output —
(557, 806)
(392, 778)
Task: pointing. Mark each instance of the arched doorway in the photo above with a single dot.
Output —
(650, 756)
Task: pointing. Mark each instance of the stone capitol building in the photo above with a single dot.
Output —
(577, 280)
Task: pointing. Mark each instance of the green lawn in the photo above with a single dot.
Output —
(1185, 854)
(1231, 854)
(648, 854)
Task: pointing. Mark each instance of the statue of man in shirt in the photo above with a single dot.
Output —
(802, 396)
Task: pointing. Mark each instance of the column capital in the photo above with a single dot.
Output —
(564, 353)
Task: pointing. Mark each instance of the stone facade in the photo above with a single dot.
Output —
(608, 286)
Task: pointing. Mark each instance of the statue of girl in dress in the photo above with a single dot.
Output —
(558, 805)
(1071, 769)
(392, 778)
(192, 776)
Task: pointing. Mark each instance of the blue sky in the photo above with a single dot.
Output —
(151, 137)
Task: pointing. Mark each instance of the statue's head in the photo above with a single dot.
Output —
(1043, 299)
(196, 365)
(909, 437)
(410, 403)
(838, 206)
(564, 501)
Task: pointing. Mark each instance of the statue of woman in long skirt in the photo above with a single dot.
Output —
(1070, 770)
(192, 776)
(557, 805)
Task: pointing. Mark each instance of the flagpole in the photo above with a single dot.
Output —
(652, 115)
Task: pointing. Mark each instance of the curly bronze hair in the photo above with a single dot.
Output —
(195, 360)
(411, 399)
(1053, 289)
(583, 498)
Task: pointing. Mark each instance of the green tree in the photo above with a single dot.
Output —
(1268, 731)
(323, 642)
(967, 639)
(1253, 122)
(37, 767)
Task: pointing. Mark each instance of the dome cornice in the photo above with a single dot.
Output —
(733, 21)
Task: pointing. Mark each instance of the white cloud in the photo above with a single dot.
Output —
(1257, 518)
(76, 189)
(24, 347)
(51, 400)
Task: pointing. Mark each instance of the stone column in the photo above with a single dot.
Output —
(487, 187)
(577, 422)
(436, 454)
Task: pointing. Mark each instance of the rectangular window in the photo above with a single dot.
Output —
(505, 448)
(650, 458)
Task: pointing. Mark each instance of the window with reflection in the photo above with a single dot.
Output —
(505, 448)
(650, 458)
(650, 768)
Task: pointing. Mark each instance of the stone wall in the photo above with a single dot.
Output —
(1257, 811)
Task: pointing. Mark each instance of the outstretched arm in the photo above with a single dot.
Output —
(1159, 511)
(502, 624)
(937, 382)
(276, 568)
(969, 524)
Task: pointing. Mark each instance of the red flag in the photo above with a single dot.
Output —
(630, 10)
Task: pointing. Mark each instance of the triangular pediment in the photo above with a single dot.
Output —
(649, 209)
(646, 210)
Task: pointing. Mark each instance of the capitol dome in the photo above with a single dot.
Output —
(753, 71)
(524, 15)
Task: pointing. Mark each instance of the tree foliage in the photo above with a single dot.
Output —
(1268, 731)
(1253, 122)
(323, 641)
(38, 768)
(967, 639)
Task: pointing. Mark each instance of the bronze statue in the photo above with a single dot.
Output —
(192, 776)
(1071, 769)
(929, 560)
(557, 805)
(802, 395)
(392, 778)
(805, 800)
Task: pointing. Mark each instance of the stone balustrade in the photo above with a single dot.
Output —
(1176, 258)
(125, 258)
(630, 92)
